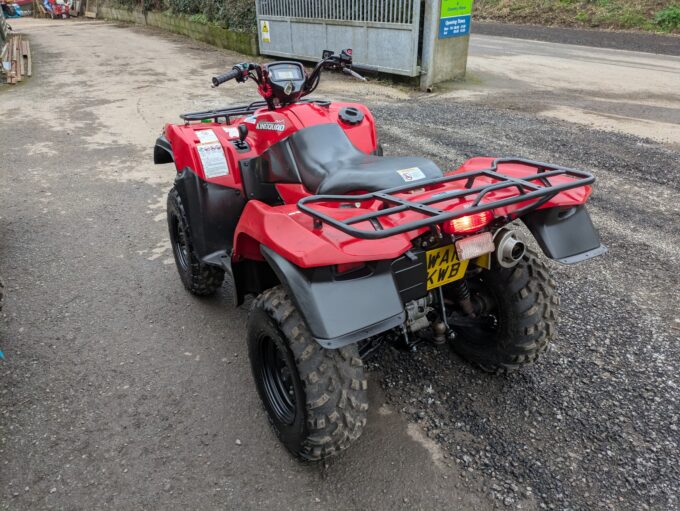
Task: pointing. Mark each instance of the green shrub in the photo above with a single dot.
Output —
(199, 18)
(669, 18)
(238, 15)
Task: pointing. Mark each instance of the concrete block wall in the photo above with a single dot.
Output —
(212, 34)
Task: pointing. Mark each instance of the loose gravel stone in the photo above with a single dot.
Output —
(594, 423)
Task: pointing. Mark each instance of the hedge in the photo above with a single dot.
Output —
(236, 15)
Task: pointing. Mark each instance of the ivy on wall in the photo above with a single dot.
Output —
(237, 15)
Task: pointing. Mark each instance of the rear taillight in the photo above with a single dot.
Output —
(468, 223)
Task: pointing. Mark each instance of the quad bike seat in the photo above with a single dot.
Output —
(327, 163)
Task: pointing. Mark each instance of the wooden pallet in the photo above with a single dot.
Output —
(26, 53)
(17, 62)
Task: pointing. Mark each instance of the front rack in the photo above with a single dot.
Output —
(237, 111)
(224, 113)
(526, 187)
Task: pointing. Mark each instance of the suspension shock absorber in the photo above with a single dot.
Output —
(460, 293)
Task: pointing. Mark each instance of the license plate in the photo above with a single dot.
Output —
(443, 266)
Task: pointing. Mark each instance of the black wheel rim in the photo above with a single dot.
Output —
(277, 381)
(180, 244)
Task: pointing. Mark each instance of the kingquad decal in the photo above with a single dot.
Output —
(271, 126)
(412, 174)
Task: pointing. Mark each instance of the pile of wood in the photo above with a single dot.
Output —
(16, 58)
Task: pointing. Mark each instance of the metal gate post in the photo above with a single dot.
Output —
(430, 16)
(445, 52)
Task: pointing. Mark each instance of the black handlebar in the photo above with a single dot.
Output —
(330, 61)
(230, 75)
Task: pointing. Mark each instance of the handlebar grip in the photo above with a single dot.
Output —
(351, 72)
(230, 75)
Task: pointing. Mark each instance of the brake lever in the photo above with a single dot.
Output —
(354, 74)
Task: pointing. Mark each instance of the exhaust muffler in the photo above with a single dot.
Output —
(509, 250)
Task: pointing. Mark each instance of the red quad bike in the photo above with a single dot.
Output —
(346, 249)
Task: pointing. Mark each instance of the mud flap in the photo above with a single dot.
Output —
(339, 312)
(566, 235)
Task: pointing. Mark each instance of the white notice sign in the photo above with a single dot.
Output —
(213, 160)
(206, 136)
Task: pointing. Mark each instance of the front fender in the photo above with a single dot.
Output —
(566, 234)
(339, 312)
(162, 151)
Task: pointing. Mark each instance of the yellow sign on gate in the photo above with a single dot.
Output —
(264, 30)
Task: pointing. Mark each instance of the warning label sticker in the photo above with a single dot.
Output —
(231, 132)
(206, 136)
(213, 160)
(264, 30)
(412, 174)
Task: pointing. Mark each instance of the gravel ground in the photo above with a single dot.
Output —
(635, 41)
(595, 423)
(121, 392)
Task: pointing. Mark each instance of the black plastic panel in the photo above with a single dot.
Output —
(565, 234)
(341, 312)
(410, 275)
(213, 212)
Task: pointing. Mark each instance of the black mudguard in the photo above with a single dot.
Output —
(566, 235)
(162, 151)
(213, 212)
(341, 311)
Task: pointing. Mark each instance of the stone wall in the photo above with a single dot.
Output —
(212, 34)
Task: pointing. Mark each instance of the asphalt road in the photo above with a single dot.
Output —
(120, 391)
(621, 40)
(620, 91)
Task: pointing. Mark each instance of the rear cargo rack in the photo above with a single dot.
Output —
(236, 111)
(527, 187)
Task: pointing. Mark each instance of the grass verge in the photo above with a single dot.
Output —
(650, 15)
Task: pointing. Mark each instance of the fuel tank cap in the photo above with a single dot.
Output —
(351, 115)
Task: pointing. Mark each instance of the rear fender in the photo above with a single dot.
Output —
(291, 234)
(339, 312)
(565, 234)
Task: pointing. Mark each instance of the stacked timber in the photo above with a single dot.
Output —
(16, 58)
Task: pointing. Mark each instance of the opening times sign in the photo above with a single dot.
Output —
(455, 18)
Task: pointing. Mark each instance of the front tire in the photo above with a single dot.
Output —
(520, 321)
(198, 278)
(315, 398)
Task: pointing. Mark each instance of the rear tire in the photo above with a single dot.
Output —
(524, 318)
(198, 278)
(315, 398)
